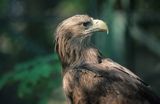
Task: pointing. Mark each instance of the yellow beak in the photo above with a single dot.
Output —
(100, 25)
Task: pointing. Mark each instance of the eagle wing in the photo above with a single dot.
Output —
(106, 83)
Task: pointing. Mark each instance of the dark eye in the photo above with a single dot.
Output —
(86, 24)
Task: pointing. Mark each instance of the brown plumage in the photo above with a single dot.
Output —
(88, 78)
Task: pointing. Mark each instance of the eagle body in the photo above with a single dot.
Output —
(88, 77)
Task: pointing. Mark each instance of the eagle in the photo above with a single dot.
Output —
(90, 78)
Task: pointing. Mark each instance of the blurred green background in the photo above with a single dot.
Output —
(30, 72)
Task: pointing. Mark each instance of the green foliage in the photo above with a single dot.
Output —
(3, 3)
(37, 77)
(67, 7)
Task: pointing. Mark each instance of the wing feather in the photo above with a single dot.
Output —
(122, 81)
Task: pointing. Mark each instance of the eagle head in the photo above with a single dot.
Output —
(80, 26)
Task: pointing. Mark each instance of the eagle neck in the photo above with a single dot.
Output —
(73, 52)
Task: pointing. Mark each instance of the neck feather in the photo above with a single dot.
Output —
(73, 52)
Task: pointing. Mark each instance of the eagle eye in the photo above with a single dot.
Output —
(86, 24)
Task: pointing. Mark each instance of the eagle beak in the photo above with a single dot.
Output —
(99, 25)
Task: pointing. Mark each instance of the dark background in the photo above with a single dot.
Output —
(30, 72)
